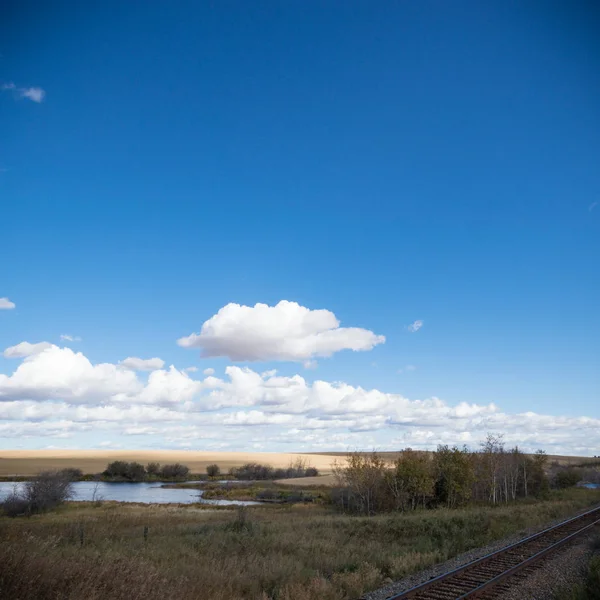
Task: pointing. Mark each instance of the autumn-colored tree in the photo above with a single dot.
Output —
(411, 480)
(364, 477)
(454, 475)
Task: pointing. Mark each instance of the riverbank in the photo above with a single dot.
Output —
(289, 552)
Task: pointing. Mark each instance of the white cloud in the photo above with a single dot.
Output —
(25, 349)
(60, 373)
(36, 94)
(59, 393)
(6, 304)
(70, 338)
(33, 93)
(407, 369)
(141, 364)
(414, 327)
(286, 331)
(191, 369)
(209, 371)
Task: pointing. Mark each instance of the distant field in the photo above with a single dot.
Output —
(391, 456)
(328, 480)
(30, 462)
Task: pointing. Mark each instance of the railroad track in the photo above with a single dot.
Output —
(492, 574)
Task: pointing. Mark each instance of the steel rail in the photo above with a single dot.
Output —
(421, 590)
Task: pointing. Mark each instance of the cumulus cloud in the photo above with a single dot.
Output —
(60, 373)
(286, 331)
(141, 364)
(25, 349)
(60, 393)
(6, 304)
(69, 338)
(209, 371)
(415, 326)
(36, 94)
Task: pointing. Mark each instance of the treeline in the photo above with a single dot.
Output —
(450, 477)
(258, 472)
(121, 470)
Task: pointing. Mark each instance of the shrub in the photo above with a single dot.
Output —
(567, 478)
(213, 470)
(153, 469)
(72, 474)
(174, 471)
(45, 492)
(121, 469)
(258, 472)
(253, 471)
(15, 505)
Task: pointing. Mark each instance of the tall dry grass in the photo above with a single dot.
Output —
(265, 553)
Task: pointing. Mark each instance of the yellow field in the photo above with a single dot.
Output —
(30, 462)
(328, 480)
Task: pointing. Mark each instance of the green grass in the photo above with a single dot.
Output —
(272, 553)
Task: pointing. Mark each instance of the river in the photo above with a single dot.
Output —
(147, 493)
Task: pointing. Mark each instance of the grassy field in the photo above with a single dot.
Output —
(275, 553)
(30, 462)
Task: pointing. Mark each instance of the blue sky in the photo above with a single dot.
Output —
(388, 162)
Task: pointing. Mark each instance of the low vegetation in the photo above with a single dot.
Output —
(281, 552)
(260, 472)
(121, 470)
(44, 492)
(266, 491)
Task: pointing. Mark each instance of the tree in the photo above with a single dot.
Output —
(454, 475)
(153, 469)
(120, 469)
(538, 480)
(411, 480)
(364, 476)
(492, 454)
(567, 478)
(213, 470)
(174, 471)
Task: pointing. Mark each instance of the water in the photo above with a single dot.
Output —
(592, 486)
(147, 493)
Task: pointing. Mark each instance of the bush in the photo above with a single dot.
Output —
(120, 469)
(174, 471)
(15, 506)
(213, 470)
(48, 490)
(153, 469)
(45, 492)
(72, 474)
(567, 478)
(258, 472)
(253, 471)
